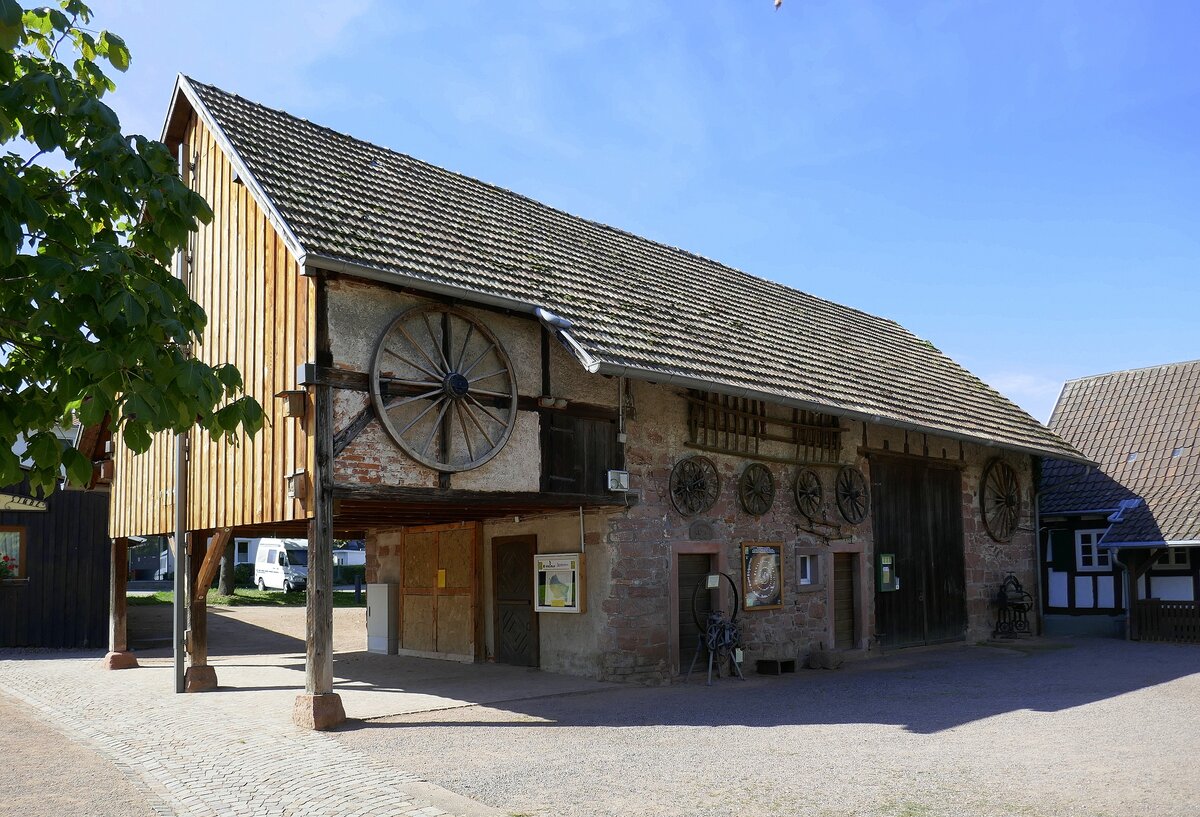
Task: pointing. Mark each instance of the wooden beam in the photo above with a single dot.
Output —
(526, 500)
(212, 561)
(117, 635)
(320, 707)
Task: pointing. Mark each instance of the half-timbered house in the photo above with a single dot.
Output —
(1133, 521)
(472, 380)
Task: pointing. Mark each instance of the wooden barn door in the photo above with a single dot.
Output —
(917, 518)
(512, 591)
(437, 604)
(844, 624)
(692, 569)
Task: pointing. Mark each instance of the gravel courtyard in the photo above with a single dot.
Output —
(1089, 727)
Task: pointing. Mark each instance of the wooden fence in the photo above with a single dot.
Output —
(1159, 620)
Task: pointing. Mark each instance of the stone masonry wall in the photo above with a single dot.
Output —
(643, 541)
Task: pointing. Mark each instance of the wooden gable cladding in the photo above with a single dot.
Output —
(261, 319)
(143, 489)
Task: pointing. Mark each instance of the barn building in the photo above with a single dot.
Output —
(479, 384)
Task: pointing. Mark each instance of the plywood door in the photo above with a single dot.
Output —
(455, 624)
(437, 604)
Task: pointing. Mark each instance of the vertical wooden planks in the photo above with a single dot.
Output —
(260, 318)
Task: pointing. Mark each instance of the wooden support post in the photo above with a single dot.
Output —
(212, 561)
(119, 656)
(199, 676)
(320, 707)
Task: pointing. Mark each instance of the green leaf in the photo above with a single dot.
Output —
(113, 47)
(11, 27)
(136, 437)
(79, 467)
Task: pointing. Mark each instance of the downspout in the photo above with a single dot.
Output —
(1130, 589)
(1037, 563)
(179, 609)
(181, 559)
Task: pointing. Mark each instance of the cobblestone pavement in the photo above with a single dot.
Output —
(233, 752)
(1071, 728)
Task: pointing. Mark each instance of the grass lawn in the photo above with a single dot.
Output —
(245, 597)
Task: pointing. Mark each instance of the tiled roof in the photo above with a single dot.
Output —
(637, 307)
(1142, 427)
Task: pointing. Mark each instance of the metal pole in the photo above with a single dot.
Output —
(181, 490)
(181, 560)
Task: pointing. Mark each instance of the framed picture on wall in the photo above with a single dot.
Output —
(558, 581)
(762, 575)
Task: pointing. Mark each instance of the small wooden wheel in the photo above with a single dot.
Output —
(853, 496)
(808, 493)
(1000, 500)
(443, 387)
(694, 485)
(756, 489)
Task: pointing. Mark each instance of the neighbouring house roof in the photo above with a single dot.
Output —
(638, 308)
(1142, 428)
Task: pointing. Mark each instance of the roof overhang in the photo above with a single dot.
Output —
(184, 102)
(1172, 543)
(311, 262)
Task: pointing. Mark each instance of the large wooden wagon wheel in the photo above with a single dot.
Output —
(756, 489)
(694, 485)
(443, 387)
(1000, 500)
(808, 493)
(853, 496)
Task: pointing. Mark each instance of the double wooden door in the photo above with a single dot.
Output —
(917, 519)
(437, 599)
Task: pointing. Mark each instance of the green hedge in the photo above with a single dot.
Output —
(345, 574)
(243, 576)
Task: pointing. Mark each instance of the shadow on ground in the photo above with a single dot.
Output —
(923, 691)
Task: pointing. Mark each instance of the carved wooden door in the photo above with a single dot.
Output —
(515, 621)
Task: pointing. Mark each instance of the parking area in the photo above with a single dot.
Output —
(1089, 727)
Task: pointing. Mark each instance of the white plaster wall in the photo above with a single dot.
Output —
(1056, 588)
(358, 314)
(1172, 588)
(569, 380)
(516, 468)
(1083, 592)
(568, 642)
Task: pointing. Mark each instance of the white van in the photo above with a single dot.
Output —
(281, 564)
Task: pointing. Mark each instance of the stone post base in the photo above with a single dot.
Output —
(318, 711)
(118, 660)
(199, 679)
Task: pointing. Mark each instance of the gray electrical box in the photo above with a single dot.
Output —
(383, 602)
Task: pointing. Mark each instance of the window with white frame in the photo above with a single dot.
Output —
(1173, 559)
(241, 554)
(806, 568)
(1089, 556)
(12, 551)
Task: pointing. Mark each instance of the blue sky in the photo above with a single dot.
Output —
(1019, 183)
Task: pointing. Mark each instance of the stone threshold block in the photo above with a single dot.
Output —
(118, 660)
(199, 679)
(318, 712)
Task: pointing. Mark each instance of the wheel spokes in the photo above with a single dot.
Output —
(417, 346)
(416, 366)
(437, 424)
